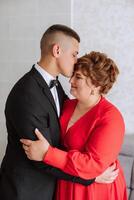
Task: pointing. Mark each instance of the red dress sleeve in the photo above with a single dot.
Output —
(101, 150)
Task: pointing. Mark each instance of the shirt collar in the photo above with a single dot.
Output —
(47, 77)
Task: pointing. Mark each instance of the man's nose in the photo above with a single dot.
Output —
(75, 60)
(71, 80)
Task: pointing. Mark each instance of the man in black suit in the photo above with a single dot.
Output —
(36, 101)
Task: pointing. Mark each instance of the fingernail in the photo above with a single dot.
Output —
(36, 129)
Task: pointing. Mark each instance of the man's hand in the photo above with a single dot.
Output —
(108, 176)
(35, 150)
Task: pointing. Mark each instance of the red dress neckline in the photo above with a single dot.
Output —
(83, 116)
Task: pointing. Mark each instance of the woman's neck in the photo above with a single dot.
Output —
(86, 105)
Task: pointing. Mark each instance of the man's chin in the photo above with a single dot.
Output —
(67, 74)
(72, 92)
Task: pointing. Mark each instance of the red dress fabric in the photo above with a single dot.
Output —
(90, 146)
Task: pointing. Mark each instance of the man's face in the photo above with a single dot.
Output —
(68, 57)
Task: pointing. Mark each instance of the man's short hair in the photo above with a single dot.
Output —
(52, 31)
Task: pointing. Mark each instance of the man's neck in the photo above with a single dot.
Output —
(49, 65)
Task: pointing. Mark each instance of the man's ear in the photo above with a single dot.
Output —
(56, 50)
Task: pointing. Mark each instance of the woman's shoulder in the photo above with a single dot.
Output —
(108, 105)
(108, 108)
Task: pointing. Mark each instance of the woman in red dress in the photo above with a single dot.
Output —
(92, 132)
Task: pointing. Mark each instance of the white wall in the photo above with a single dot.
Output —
(22, 23)
(108, 26)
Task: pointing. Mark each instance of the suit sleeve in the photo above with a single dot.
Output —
(101, 149)
(23, 111)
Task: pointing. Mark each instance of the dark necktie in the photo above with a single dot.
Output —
(53, 83)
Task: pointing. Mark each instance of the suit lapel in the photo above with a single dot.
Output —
(59, 96)
(44, 86)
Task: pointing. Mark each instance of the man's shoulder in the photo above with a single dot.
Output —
(26, 82)
(24, 87)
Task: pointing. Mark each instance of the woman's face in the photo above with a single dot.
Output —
(81, 86)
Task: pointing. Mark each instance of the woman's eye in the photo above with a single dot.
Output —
(78, 77)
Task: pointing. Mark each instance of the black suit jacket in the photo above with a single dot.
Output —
(30, 105)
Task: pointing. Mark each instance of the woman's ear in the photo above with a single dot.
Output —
(56, 50)
(97, 89)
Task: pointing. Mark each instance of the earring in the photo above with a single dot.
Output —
(92, 92)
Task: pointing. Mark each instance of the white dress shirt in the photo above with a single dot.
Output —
(48, 77)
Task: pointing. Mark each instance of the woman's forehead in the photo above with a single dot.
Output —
(80, 71)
